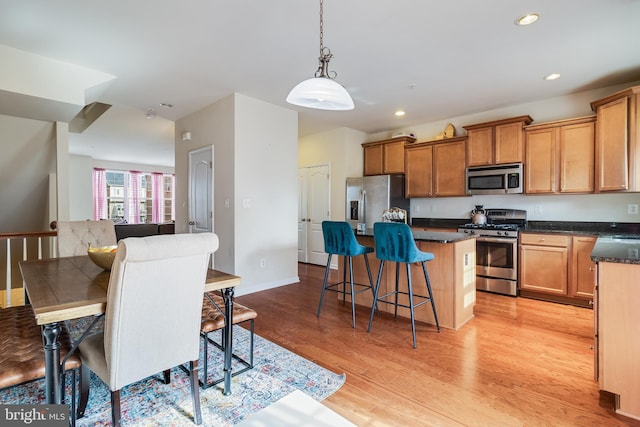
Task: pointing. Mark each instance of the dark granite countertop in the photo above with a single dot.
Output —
(593, 228)
(439, 222)
(617, 249)
(429, 236)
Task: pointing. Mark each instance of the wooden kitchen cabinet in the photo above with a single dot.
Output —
(617, 338)
(435, 168)
(559, 156)
(557, 267)
(583, 271)
(497, 142)
(544, 263)
(418, 163)
(618, 141)
(385, 157)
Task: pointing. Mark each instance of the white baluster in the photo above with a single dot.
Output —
(8, 286)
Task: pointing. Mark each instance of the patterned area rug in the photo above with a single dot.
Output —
(276, 373)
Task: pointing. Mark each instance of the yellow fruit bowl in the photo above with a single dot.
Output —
(102, 256)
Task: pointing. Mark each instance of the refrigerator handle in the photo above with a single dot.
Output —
(363, 207)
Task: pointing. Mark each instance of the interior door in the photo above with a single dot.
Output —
(201, 190)
(302, 215)
(315, 195)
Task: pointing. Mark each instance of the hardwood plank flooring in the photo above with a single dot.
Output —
(518, 362)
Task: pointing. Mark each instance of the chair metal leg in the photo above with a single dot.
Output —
(411, 306)
(324, 283)
(371, 285)
(395, 310)
(433, 304)
(84, 390)
(375, 295)
(353, 293)
(115, 408)
(195, 392)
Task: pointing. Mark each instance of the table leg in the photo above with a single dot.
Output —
(228, 338)
(52, 376)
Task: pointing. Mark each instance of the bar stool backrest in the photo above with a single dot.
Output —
(394, 242)
(340, 240)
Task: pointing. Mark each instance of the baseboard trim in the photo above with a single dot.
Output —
(250, 289)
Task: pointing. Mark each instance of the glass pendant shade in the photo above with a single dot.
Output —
(321, 93)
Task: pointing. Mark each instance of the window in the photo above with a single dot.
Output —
(135, 197)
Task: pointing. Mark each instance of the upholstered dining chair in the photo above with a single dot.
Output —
(74, 237)
(22, 357)
(339, 239)
(154, 275)
(394, 242)
(213, 319)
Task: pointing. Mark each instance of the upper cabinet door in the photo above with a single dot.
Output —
(509, 143)
(480, 147)
(497, 142)
(373, 160)
(613, 158)
(577, 157)
(393, 158)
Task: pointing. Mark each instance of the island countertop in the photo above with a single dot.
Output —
(617, 249)
(429, 236)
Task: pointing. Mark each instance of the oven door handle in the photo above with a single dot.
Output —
(496, 239)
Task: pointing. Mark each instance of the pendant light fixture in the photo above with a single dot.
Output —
(321, 91)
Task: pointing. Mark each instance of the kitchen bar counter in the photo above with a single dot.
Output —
(452, 274)
(430, 236)
(616, 249)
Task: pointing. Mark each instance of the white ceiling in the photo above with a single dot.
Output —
(435, 60)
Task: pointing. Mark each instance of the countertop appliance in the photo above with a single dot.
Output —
(369, 196)
(497, 179)
(497, 250)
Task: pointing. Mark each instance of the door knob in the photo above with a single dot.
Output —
(192, 223)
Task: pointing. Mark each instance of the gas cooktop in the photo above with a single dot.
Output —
(500, 223)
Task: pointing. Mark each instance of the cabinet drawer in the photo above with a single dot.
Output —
(544, 239)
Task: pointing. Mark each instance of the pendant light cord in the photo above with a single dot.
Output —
(325, 53)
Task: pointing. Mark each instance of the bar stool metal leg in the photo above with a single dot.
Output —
(324, 283)
(433, 304)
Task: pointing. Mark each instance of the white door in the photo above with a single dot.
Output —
(201, 190)
(314, 207)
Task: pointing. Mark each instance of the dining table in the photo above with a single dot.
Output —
(62, 289)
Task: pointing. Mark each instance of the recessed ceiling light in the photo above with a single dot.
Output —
(527, 19)
(399, 113)
(165, 105)
(552, 76)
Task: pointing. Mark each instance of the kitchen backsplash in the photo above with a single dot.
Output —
(582, 207)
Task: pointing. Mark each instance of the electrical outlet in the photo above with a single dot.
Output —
(263, 262)
(246, 203)
(632, 209)
(537, 209)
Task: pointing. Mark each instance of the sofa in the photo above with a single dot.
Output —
(143, 230)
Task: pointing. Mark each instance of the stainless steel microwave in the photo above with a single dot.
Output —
(497, 179)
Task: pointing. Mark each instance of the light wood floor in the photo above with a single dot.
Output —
(519, 362)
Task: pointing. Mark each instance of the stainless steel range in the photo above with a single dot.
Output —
(497, 250)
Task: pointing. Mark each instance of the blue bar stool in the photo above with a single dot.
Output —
(340, 240)
(394, 242)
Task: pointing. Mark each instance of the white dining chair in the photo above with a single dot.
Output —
(152, 319)
(74, 237)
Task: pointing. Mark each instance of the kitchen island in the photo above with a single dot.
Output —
(452, 274)
(617, 306)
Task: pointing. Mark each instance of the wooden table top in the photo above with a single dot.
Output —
(71, 287)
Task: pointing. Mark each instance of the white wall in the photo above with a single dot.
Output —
(255, 160)
(341, 149)
(28, 157)
(80, 188)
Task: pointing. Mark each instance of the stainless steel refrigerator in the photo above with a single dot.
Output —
(369, 196)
